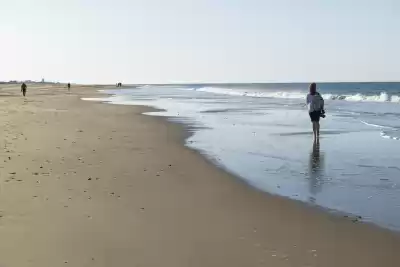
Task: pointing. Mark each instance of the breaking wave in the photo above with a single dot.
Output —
(382, 97)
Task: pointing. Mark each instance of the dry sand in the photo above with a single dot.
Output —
(91, 184)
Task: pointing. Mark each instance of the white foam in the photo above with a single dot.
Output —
(382, 97)
(377, 125)
(95, 99)
(395, 98)
(249, 93)
(114, 99)
(386, 135)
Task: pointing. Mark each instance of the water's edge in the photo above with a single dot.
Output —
(188, 130)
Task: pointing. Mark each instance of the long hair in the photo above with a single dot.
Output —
(313, 89)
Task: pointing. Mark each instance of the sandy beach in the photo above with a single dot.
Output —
(92, 184)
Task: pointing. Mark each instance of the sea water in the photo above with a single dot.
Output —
(262, 134)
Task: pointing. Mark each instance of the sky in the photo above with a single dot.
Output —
(168, 41)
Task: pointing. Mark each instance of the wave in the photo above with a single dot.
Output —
(241, 92)
(377, 125)
(394, 135)
(382, 97)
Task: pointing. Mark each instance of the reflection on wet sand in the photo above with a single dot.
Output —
(316, 171)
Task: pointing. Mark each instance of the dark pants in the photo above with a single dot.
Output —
(315, 115)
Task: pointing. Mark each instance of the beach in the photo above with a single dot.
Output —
(261, 134)
(93, 184)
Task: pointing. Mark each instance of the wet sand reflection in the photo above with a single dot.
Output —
(316, 171)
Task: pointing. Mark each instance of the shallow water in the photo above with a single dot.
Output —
(267, 142)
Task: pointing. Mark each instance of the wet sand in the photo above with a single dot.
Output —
(91, 184)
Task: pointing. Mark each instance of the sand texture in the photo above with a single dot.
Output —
(91, 184)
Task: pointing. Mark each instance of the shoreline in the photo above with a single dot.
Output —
(187, 132)
(105, 185)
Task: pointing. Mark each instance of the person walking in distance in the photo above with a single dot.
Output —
(23, 89)
(69, 86)
(315, 104)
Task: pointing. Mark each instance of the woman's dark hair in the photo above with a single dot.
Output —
(313, 88)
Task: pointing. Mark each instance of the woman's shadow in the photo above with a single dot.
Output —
(316, 171)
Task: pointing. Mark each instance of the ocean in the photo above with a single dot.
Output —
(262, 134)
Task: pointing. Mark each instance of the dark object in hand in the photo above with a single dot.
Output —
(322, 115)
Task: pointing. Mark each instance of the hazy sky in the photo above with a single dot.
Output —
(158, 41)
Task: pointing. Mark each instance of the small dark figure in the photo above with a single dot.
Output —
(69, 86)
(23, 89)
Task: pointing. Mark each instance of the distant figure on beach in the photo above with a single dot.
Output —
(69, 86)
(315, 104)
(23, 89)
(119, 85)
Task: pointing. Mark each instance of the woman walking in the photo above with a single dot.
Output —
(315, 104)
